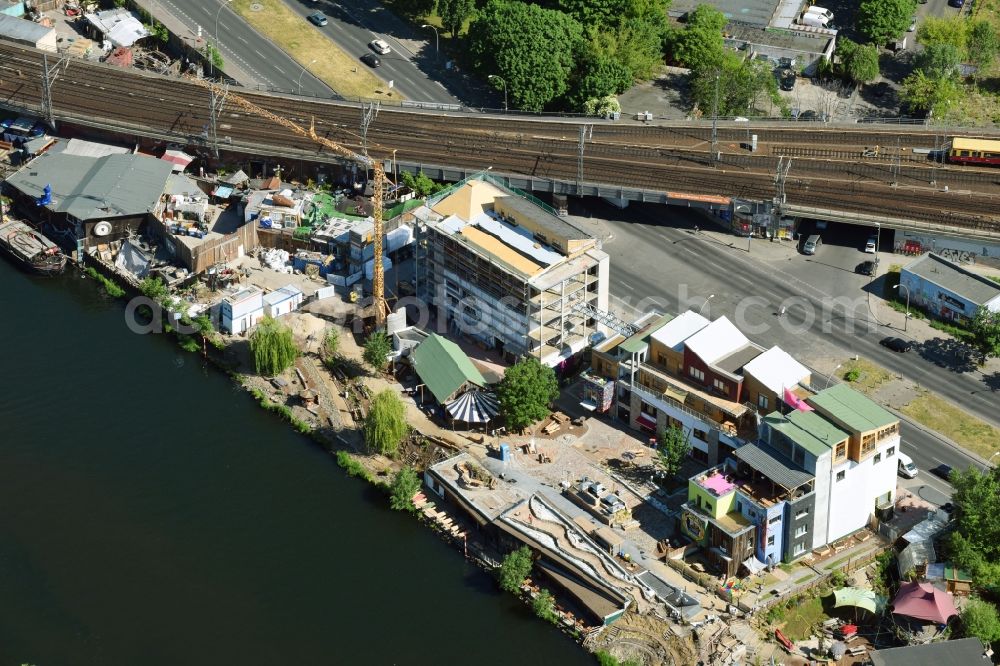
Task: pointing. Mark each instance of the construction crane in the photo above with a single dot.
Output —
(379, 304)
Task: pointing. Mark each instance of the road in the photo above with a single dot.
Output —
(243, 46)
(660, 263)
(353, 25)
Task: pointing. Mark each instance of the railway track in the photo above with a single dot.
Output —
(827, 171)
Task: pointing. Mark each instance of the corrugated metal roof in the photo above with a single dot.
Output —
(807, 429)
(443, 367)
(774, 466)
(852, 408)
(21, 30)
(638, 342)
(962, 651)
(90, 188)
(954, 278)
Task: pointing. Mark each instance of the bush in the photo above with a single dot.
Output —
(852, 375)
(353, 468)
(112, 289)
(515, 568)
(404, 486)
(545, 607)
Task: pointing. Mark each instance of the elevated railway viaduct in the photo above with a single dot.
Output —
(836, 170)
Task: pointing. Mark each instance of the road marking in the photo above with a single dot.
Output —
(626, 285)
(280, 70)
(242, 39)
(259, 53)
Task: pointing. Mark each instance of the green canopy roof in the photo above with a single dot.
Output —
(858, 597)
(444, 367)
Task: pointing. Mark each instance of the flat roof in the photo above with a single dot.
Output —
(754, 12)
(496, 247)
(15, 28)
(637, 342)
(556, 225)
(781, 38)
(682, 327)
(739, 358)
(488, 502)
(807, 429)
(774, 466)
(857, 411)
(777, 370)
(964, 651)
(947, 275)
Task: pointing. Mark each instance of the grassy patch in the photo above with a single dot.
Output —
(802, 579)
(836, 564)
(112, 289)
(304, 42)
(952, 330)
(802, 619)
(944, 417)
(354, 468)
(864, 375)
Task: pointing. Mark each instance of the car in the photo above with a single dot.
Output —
(913, 24)
(379, 46)
(371, 60)
(956, 3)
(786, 78)
(317, 19)
(867, 268)
(898, 345)
(942, 471)
(871, 244)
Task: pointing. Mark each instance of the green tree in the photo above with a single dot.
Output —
(531, 48)
(515, 568)
(153, 288)
(331, 345)
(385, 426)
(378, 346)
(405, 485)
(885, 20)
(421, 183)
(214, 56)
(929, 94)
(525, 392)
(414, 8)
(673, 449)
(454, 14)
(273, 347)
(953, 30)
(980, 620)
(742, 85)
(985, 327)
(975, 543)
(939, 61)
(544, 606)
(699, 44)
(860, 62)
(599, 77)
(984, 44)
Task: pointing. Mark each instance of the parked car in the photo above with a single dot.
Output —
(898, 345)
(786, 78)
(906, 467)
(867, 268)
(371, 60)
(943, 471)
(379, 46)
(317, 19)
(956, 3)
(871, 245)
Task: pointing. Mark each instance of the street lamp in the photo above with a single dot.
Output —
(829, 377)
(436, 42)
(705, 303)
(992, 457)
(217, 14)
(491, 77)
(907, 320)
(302, 73)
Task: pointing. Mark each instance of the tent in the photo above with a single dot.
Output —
(859, 598)
(474, 407)
(923, 601)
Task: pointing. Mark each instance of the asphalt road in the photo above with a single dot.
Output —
(240, 44)
(353, 25)
(660, 263)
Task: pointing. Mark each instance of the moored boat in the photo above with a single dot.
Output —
(30, 249)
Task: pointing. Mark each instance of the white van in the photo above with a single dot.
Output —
(813, 20)
(905, 467)
(822, 11)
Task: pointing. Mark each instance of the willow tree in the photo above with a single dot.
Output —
(385, 425)
(273, 347)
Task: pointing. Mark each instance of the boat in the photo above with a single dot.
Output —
(30, 249)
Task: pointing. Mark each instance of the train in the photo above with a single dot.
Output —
(974, 151)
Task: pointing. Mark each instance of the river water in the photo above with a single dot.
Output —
(151, 514)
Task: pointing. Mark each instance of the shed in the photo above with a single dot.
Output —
(241, 311)
(119, 26)
(282, 301)
(444, 368)
(956, 580)
(947, 290)
(28, 33)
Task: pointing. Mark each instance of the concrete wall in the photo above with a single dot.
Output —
(958, 250)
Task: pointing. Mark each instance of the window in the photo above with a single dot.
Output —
(878, 458)
(867, 444)
(802, 514)
(841, 451)
(774, 519)
(697, 374)
(889, 452)
(801, 530)
(700, 434)
(770, 540)
(799, 549)
(762, 401)
(720, 385)
(739, 506)
(840, 475)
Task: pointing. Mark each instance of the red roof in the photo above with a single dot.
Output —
(923, 601)
(121, 56)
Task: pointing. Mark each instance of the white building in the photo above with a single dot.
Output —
(29, 33)
(282, 301)
(241, 311)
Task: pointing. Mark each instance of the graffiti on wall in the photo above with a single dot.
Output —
(958, 256)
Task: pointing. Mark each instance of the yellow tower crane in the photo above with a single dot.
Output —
(379, 304)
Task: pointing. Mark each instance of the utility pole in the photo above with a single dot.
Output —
(778, 204)
(368, 114)
(49, 76)
(896, 164)
(586, 132)
(715, 121)
(217, 101)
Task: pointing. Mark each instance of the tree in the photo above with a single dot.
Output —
(599, 76)
(975, 543)
(385, 425)
(699, 44)
(929, 94)
(525, 392)
(544, 606)
(331, 345)
(985, 327)
(273, 347)
(414, 8)
(421, 183)
(378, 346)
(885, 20)
(506, 39)
(860, 62)
(673, 450)
(153, 288)
(980, 620)
(983, 46)
(741, 85)
(405, 485)
(454, 13)
(939, 61)
(953, 30)
(515, 568)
